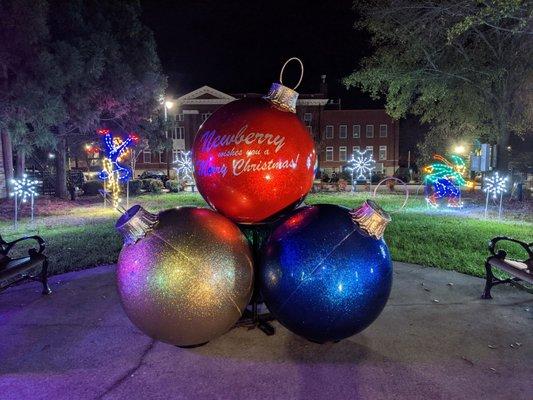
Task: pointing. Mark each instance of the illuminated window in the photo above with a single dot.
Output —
(383, 152)
(329, 153)
(355, 149)
(342, 153)
(383, 131)
(356, 130)
(370, 131)
(329, 132)
(343, 131)
(370, 150)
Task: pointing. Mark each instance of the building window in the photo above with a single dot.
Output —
(370, 149)
(174, 155)
(329, 153)
(383, 152)
(205, 116)
(370, 131)
(310, 129)
(160, 157)
(356, 129)
(308, 117)
(147, 156)
(178, 133)
(329, 132)
(383, 131)
(180, 117)
(355, 149)
(342, 153)
(343, 131)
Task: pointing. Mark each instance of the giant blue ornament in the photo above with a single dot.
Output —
(326, 273)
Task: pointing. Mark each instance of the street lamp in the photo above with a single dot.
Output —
(460, 149)
(167, 106)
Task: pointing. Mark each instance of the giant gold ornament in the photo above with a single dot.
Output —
(185, 275)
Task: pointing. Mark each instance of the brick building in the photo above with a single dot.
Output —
(192, 109)
(337, 133)
(346, 131)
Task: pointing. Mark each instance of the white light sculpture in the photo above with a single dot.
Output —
(183, 165)
(494, 185)
(24, 189)
(364, 164)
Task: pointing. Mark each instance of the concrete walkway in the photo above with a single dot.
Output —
(435, 340)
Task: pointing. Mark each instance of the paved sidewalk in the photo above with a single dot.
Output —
(436, 339)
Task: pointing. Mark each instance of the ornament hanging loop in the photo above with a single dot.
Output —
(301, 73)
(406, 192)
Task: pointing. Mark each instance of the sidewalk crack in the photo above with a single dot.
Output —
(129, 372)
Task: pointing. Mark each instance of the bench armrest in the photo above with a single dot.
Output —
(8, 246)
(502, 253)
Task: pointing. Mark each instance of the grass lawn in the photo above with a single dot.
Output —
(82, 235)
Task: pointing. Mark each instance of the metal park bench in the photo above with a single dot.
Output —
(520, 271)
(33, 267)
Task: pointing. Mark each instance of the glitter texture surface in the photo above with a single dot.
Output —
(322, 277)
(189, 280)
(253, 160)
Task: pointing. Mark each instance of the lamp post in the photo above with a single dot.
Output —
(167, 105)
(460, 149)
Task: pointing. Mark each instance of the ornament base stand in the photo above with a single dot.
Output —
(252, 318)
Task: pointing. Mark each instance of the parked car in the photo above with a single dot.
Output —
(154, 175)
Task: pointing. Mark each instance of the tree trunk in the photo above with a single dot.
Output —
(502, 161)
(21, 163)
(61, 169)
(7, 152)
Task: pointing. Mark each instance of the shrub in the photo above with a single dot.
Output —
(403, 174)
(145, 184)
(135, 187)
(153, 185)
(91, 188)
(173, 185)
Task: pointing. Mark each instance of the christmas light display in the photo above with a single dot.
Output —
(494, 185)
(350, 166)
(183, 166)
(24, 189)
(363, 165)
(443, 180)
(113, 172)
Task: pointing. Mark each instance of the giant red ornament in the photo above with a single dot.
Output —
(253, 158)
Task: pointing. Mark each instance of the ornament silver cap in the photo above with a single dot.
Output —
(282, 97)
(135, 223)
(371, 218)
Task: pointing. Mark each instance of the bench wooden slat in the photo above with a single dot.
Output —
(515, 268)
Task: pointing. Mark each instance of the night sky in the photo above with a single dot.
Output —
(240, 46)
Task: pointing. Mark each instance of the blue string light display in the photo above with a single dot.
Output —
(443, 180)
(113, 172)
